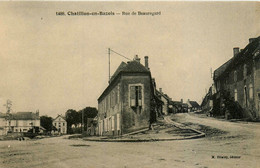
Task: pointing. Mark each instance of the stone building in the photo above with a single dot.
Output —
(19, 122)
(128, 103)
(60, 124)
(165, 99)
(193, 105)
(237, 83)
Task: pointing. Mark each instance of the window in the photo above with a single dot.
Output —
(113, 123)
(118, 121)
(235, 76)
(251, 91)
(218, 85)
(109, 123)
(235, 94)
(245, 71)
(136, 95)
(63, 124)
(55, 124)
(245, 96)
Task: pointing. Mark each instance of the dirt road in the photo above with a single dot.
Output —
(223, 141)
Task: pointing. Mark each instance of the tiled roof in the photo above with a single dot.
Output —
(118, 70)
(135, 66)
(60, 116)
(130, 67)
(222, 69)
(194, 104)
(244, 55)
(2, 115)
(24, 116)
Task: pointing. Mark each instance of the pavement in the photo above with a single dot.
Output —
(226, 145)
(168, 131)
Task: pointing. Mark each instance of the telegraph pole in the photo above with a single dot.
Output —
(108, 65)
(82, 125)
(8, 106)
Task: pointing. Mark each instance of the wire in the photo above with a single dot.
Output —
(120, 54)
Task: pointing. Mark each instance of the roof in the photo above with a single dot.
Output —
(118, 70)
(130, 67)
(24, 116)
(194, 104)
(222, 68)
(2, 115)
(246, 54)
(164, 95)
(175, 103)
(59, 115)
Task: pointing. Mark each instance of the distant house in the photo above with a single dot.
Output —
(165, 99)
(175, 107)
(2, 123)
(92, 126)
(19, 122)
(193, 106)
(60, 124)
(237, 83)
(128, 103)
(207, 102)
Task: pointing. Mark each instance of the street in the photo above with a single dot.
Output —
(227, 144)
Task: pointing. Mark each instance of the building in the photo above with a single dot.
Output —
(19, 122)
(237, 83)
(165, 99)
(207, 102)
(128, 103)
(60, 124)
(193, 106)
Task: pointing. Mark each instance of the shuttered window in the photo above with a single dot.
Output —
(136, 95)
(113, 123)
(118, 121)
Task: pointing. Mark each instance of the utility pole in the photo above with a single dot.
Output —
(108, 65)
(82, 124)
(8, 106)
(211, 74)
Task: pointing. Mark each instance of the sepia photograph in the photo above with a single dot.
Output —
(129, 84)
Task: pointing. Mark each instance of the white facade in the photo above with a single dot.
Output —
(60, 123)
(17, 124)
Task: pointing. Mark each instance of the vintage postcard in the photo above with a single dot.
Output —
(120, 84)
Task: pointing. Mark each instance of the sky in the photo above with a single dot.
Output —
(54, 63)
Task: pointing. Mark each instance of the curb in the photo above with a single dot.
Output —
(145, 140)
(178, 125)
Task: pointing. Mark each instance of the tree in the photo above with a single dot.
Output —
(71, 118)
(74, 117)
(46, 122)
(89, 112)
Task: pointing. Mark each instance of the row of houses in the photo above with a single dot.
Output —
(235, 92)
(22, 122)
(131, 101)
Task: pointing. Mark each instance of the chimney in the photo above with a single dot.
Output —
(137, 59)
(160, 89)
(37, 113)
(181, 100)
(188, 100)
(146, 62)
(251, 40)
(236, 51)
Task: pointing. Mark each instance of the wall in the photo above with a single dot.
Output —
(228, 83)
(165, 105)
(61, 124)
(257, 86)
(134, 119)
